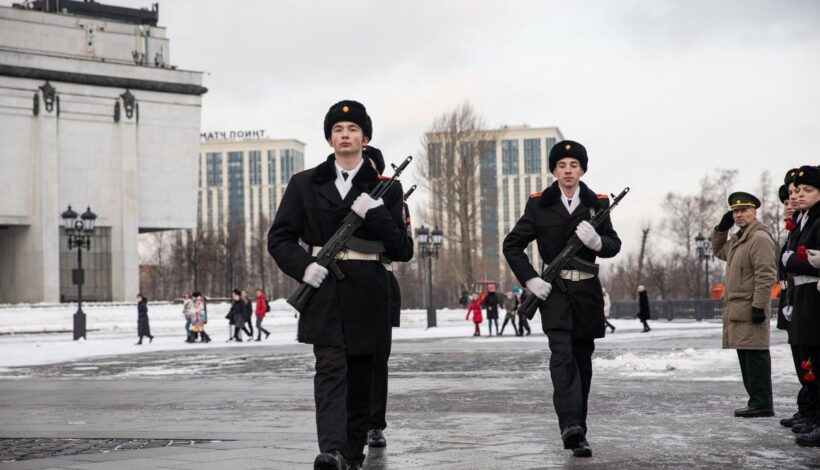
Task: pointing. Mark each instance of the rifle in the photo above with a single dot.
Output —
(327, 255)
(552, 271)
(409, 192)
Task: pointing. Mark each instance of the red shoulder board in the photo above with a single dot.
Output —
(535, 194)
(602, 196)
(384, 178)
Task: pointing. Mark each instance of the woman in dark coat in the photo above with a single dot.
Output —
(491, 303)
(643, 308)
(247, 306)
(236, 316)
(143, 328)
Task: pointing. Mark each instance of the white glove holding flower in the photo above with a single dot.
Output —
(589, 237)
(314, 274)
(539, 287)
(787, 312)
(364, 203)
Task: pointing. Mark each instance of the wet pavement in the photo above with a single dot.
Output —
(454, 403)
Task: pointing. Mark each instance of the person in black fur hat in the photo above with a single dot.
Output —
(574, 318)
(346, 320)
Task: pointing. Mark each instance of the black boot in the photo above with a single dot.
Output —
(791, 421)
(375, 438)
(333, 460)
(809, 439)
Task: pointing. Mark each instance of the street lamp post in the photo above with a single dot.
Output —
(704, 248)
(79, 232)
(429, 244)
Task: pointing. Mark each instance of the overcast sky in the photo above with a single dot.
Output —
(660, 92)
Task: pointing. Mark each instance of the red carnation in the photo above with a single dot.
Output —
(790, 224)
(805, 365)
(802, 255)
(809, 376)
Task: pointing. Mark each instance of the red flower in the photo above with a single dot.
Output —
(809, 376)
(805, 365)
(790, 224)
(802, 255)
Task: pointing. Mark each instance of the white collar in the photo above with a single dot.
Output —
(350, 173)
(574, 198)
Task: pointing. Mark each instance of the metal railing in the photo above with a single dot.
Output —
(674, 309)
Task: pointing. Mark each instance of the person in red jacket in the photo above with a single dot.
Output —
(261, 310)
(475, 309)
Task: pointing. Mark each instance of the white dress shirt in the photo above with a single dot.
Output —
(343, 184)
(570, 202)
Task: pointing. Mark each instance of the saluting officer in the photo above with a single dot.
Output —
(347, 319)
(804, 328)
(572, 319)
(378, 406)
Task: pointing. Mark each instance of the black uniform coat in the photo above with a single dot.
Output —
(353, 312)
(787, 293)
(491, 302)
(643, 306)
(804, 329)
(581, 309)
(143, 328)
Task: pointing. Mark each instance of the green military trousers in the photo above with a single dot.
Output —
(756, 369)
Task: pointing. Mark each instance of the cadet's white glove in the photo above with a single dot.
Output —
(589, 237)
(785, 258)
(814, 258)
(539, 287)
(314, 274)
(787, 312)
(364, 203)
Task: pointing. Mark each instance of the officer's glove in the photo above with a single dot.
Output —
(539, 287)
(726, 222)
(758, 315)
(314, 274)
(364, 203)
(589, 237)
(787, 312)
(814, 258)
(785, 258)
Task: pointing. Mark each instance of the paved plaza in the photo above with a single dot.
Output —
(659, 400)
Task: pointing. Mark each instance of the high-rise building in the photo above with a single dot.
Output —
(512, 165)
(242, 176)
(92, 113)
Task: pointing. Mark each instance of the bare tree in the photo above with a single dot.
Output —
(771, 210)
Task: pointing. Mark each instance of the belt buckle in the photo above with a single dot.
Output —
(576, 275)
(342, 254)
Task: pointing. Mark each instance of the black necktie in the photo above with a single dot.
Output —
(569, 202)
(344, 175)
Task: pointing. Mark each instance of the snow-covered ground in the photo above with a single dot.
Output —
(27, 337)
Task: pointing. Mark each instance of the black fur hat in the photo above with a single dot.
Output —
(568, 149)
(376, 156)
(348, 110)
(789, 178)
(809, 175)
(783, 193)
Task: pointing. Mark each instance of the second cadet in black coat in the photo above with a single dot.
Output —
(347, 319)
(572, 319)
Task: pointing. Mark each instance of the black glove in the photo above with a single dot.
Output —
(726, 222)
(758, 315)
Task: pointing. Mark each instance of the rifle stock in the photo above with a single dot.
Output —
(326, 257)
(553, 270)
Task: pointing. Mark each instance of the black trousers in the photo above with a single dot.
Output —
(509, 318)
(259, 328)
(490, 325)
(756, 370)
(811, 395)
(523, 324)
(805, 402)
(342, 387)
(378, 406)
(571, 373)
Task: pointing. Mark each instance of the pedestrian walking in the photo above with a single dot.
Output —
(187, 308)
(247, 310)
(143, 326)
(474, 309)
(803, 263)
(523, 322)
(644, 314)
(571, 319)
(236, 316)
(751, 271)
(199, 318)
(262, 309)
(347, 319)
(511, 307)
(491, 303)
(608, 307)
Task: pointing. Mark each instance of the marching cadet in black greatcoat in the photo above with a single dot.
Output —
(572, 319)
(347, 319)
(804, 327)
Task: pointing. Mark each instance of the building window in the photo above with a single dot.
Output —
(509, 157)
(288, 160)
(214, 168)
(549, 144)
(255, 167)
(271, 168)
(272, 201)
(527, 187)
(517, 195)
(220, 213)
(236, 187)
(488, 193)
(199, 209)
(538, 186)
(434, 159)
(505, 196)
(532, 156)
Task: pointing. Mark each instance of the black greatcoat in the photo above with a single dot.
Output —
(804, 329)
(786, 294)
(545, 220)
(353, 312)
(491, 302)
(143, 328)
(643, 306)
